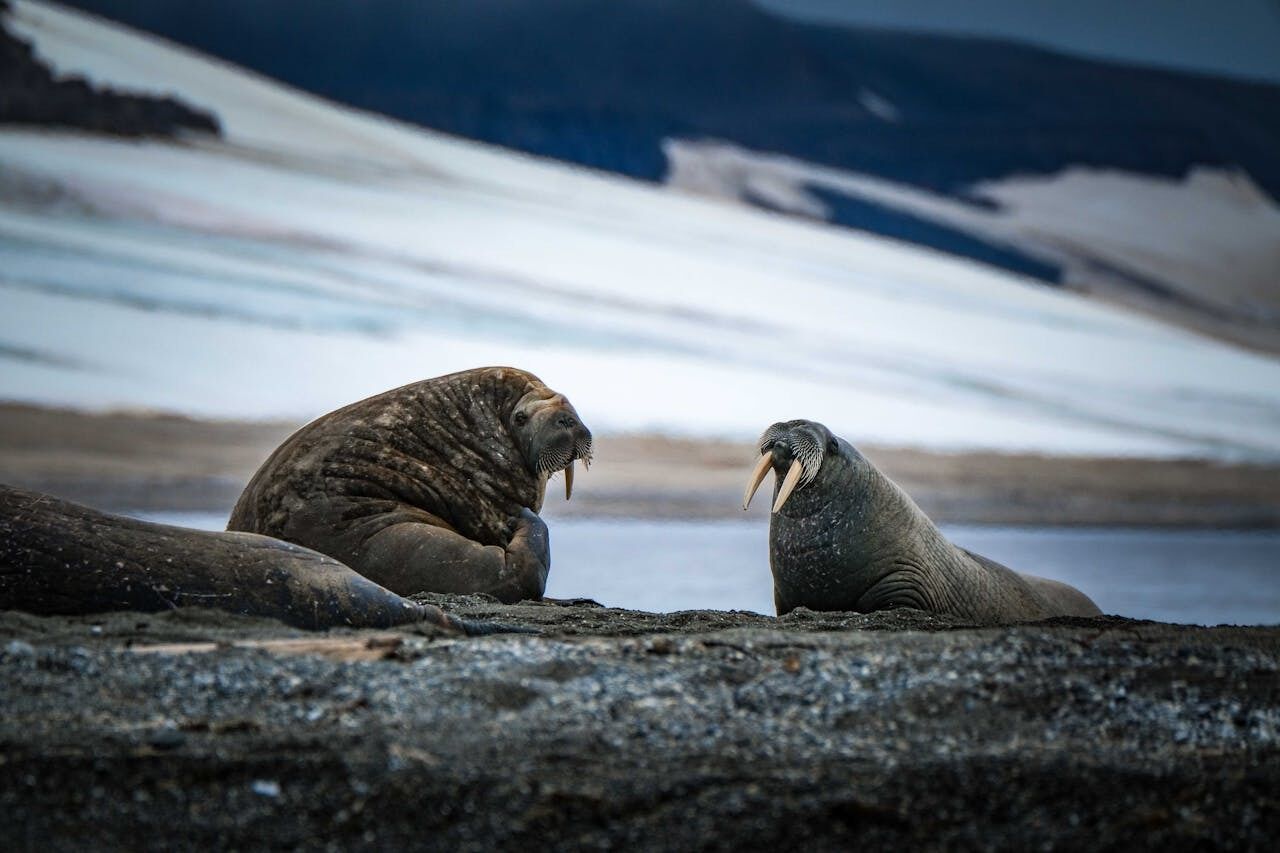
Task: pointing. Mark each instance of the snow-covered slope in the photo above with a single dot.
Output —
(318, 255)
(1119, 180)
(1203, 250)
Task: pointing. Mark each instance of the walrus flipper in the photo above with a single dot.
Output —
(57, 557)
(413, 557)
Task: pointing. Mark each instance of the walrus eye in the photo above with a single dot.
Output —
(833, 446)
(521, 419)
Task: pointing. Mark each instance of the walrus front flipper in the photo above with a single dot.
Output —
(57, 557)
(412, 557)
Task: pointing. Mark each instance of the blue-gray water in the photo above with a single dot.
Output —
(1190, 576)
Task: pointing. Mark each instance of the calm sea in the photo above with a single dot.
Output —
(1202, 577)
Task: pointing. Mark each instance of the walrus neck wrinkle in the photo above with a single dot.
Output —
(906, 561)
(474, 418)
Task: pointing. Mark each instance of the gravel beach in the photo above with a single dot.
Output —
(611, 728)
(601, 728)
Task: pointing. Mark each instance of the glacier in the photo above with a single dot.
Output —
(317, 254)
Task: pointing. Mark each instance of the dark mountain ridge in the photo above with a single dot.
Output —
(31, 94)
(603, 83)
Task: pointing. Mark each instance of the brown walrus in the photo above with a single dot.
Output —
(434, 486)
(60, 558)
(843, 536)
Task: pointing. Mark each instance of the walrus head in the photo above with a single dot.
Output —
(550, 435)
(799, 452)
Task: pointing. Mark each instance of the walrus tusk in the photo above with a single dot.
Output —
(762, 468)
(568, 480)
(788, 485)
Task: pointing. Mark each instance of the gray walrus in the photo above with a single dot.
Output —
(842, 536)
(59, 558)
(434, 486)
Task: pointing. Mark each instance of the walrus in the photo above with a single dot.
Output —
(61, 558)
(431, 487)
(843, 536)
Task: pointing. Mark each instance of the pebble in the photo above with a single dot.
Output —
(266, 788)
(168, 737)
(20, 649)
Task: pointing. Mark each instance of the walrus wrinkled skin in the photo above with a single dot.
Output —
(842, 536)
(431, 487)
(60, 558)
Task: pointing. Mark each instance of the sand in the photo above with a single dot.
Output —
(139, 461)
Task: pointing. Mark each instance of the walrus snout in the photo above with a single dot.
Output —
(579, 448)
(795, 447)
(558, 438)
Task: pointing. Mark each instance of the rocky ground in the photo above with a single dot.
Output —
(609, 728)
(30, 94)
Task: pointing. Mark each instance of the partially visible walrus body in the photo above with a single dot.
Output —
(58, 558)
(843, 536)
(432, 487)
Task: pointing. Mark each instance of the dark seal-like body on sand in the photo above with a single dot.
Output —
(431, 487)
(60, 558)
(843, 536)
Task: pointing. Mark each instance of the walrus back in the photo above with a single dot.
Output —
(58, 557)
(1062, 599)
(1019, 597)
(424, 449)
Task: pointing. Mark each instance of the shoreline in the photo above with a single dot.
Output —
(140, 462)
(723, 730)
